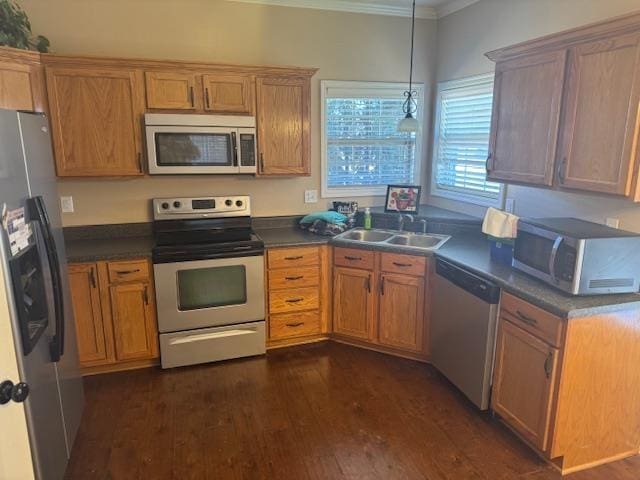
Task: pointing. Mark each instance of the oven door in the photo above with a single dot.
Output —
(548, 256)
(209, 293)
(192, 150)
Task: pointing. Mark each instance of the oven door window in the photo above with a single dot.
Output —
(193, 149)
(212, 287)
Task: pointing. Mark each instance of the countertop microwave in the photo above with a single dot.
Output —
(200, 144)
(578, 257)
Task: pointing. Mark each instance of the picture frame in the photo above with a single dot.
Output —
(402, 199)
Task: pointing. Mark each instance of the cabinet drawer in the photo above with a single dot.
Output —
(293, 257)
(406, 264)
(354, 258)
(294, 278)
(294, 325)
(293, 300)
(128, 271)
(533, 319)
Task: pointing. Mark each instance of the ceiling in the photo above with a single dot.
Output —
(424, 8)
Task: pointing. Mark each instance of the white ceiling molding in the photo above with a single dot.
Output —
(352, 6)
(451, 6)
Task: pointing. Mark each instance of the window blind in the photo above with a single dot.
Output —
(363, 146)
(462, 140)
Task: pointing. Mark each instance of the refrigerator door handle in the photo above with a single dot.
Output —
(38, 213)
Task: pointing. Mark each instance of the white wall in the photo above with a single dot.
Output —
(344, 46)
(464, 37)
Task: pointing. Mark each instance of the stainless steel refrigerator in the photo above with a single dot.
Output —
(39, 306)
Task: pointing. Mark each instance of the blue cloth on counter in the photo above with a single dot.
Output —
(328, 217)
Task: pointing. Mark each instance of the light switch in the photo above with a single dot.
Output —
(67, 204)
(509, 205)
(612, 222)
(310, 196)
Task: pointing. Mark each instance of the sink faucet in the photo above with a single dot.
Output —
(401, 219)
(423, 222)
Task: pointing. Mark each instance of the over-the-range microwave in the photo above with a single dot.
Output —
(578, 257)
(200, 144)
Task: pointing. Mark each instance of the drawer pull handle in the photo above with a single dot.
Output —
(398, 264)
(526, 319)
(128, 272)
(294, 300)
(349, 257)
(294, 278)
(547, 365)
(298, 257)
(293, 325)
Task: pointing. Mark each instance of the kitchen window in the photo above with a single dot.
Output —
(362, 151)
(461, 142)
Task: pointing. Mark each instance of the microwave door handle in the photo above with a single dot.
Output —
(552, 257)
(234, 147)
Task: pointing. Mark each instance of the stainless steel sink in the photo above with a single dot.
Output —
(403, 240)
(366, 235)
(417, 240)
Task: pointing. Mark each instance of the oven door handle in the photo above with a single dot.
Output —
(552, 257)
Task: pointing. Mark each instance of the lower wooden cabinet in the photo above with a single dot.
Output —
(115, 317)
(401, 311)
(297, 284)
(353, 303)
(381, 300)
(524, 382)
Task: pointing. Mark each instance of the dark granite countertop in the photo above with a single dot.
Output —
(93, 250)
(290, 236)
(437, 214)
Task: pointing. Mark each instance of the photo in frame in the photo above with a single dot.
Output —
(402, 198)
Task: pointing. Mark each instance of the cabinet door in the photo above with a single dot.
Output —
(283, 126)
(353, 306)
(134, 327)
(15, 87)
(93, 347)
(228, 93)
(526, 113)
(524, 382)
(601, 116)
(169, 90)
(96, 121)
(401, 312)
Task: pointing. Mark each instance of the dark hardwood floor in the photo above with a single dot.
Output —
(326, 411)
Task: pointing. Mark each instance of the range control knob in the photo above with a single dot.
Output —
(177, 204)
(165, 206)
(228, 202)
(238, 203)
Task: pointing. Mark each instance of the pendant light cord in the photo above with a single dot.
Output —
(413, 25)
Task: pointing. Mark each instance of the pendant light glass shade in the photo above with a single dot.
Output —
(408, 124)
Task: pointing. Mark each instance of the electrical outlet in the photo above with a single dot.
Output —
(612, 222)
(310, 196)
(509, 205)
(67, 204)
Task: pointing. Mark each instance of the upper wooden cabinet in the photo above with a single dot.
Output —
(21, 80)
(283, 125)
(526, 113)
(229, 93)
(96, 120)
(565, 111)
(170, 90)
(600, 128)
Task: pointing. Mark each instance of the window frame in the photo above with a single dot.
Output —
(397, 88)
(450, 193)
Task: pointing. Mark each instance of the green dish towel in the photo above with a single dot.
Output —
(328, 216)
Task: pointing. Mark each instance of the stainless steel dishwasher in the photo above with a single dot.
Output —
(463, 330)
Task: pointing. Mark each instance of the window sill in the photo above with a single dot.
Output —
(472, 199)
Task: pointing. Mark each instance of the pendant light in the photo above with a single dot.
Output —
(409, 123)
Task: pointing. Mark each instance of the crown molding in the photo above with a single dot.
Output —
(352, 6)
(453, 6)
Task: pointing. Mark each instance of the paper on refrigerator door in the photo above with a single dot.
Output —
(18, 230)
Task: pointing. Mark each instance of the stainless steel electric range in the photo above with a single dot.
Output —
(209, 276)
